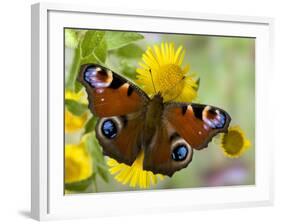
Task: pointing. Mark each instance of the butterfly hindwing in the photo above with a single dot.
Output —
(167, 152)
(110, 94)
(196, 123)
(120, 136)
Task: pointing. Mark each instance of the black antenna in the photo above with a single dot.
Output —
(152, 81)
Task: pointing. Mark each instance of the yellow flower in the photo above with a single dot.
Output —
(161, 71)
(78, 163)
(234, 143)
(73, 122)
(80, 96)
(133, 175)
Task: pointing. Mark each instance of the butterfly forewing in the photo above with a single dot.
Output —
(196, 123)
(109, 94)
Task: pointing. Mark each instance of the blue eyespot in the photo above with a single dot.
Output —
(180, 153)
(221, 122)
(109, 129)
(90, 74)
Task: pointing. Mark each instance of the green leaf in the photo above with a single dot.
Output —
(94, 148)
(128, 69)
(70, 83)
(130, 51)
(99, 163)
(94, 43)
(101, 51)
(116, 39)
(90, 125)
(103, 172)
(97, 152)
(90, 59)
(79, 186)
(75, 107)
(71, 38)
(77, 87)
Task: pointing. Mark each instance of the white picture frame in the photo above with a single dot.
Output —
(48, 200)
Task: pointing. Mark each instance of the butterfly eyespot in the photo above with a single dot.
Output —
(213, 118)
(180, 153)
(109, 129)
(97, 77)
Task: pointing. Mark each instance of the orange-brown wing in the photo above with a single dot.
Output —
(109, 94)
(167, 152)
(196, 123)
(120, 136)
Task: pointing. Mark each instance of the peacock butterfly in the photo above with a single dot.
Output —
(130, 121)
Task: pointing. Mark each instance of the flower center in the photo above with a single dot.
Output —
(233, 142)
(169, 76)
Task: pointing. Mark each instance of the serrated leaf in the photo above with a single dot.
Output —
(71, 38)
(94, 43)
(130, 51)
(116, 39)
(79, 186)
(75, 107)
(90, 125)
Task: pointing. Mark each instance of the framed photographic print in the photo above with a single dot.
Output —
(143, 111)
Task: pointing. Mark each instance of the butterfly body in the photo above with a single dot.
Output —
(130, 121)
(152, 118)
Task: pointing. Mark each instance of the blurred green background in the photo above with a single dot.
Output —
(226, 67)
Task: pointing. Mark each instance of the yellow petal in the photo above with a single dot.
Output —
(181, 58)
(135, 178)
(116, 169)
(158, 54)
(176, 58)
(171, 49)
(152, 58)
(150, 63)
(133, 175)
(128, 178)
(122, 174)
(186, 69)
(164, 53)
(167, 52)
